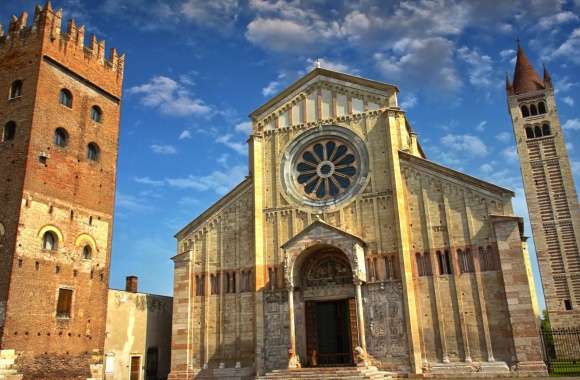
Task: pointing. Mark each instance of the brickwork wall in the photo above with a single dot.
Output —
(61, 190)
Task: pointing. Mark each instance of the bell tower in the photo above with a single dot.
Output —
(549, 186)
(60, 102)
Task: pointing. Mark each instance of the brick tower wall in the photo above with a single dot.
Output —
(64, 192)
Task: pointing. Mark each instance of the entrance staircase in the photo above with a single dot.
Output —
(7, 368)
(327, 373)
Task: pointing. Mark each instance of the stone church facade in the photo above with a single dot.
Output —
(346, 246)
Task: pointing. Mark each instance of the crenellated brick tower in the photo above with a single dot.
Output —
(59, 125)
(550, 190)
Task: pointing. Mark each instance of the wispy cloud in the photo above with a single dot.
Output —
(185, 135)
(228, 140)
(572, 125)
(469, 144)
(163, 149)
(219, 182)
(148, 181)
(170, 97)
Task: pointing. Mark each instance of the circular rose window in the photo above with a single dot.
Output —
(325, 166)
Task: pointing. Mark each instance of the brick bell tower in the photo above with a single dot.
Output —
(59, 125)
(549, 187)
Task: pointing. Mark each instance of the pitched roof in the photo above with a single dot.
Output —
(526, 78)
(324, 225)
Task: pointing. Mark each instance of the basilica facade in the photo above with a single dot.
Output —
(346, 246)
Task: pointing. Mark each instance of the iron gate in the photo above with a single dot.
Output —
(561, 348)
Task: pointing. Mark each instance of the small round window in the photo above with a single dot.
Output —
(325, 166)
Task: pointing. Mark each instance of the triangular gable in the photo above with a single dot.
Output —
(319, 223)
(366, 88)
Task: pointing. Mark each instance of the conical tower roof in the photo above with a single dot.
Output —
(526, 78)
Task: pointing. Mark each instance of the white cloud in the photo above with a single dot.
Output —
(426, 62)
(223, 159)
(486, 168)
(244, 127)
(170, 97)
(575, 167)
(568, 100)
(510, 153)
(219, 182)
(481, 126)
(564, 84)
(572, 125)
(132, 203)
(570, 49)
(504, 137)
(239, 147)
(480, 66)
(507, 54)
(185, 135)
(215, 13)
(549, 22)
(469, 144)
(274, 86)
(148, 181)
(163, 149)
(409, 101)
(569, 146)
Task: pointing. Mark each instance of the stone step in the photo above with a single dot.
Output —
(327, 373)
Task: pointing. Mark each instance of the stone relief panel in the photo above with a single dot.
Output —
(386, 331)
(276, 340)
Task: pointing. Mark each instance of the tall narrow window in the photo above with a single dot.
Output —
(542, 107)
(537, 131)
(49, 241)
(66, 98)
(444, 261)
(87, 252)
(61, 137)
(64, 303)
(200, 285)
(96, 114)
(465, 261)
(533, 110)
(525, 111)
(9, 131)
(93, 152)
(546, 130)
(215, 284)
(16, 89)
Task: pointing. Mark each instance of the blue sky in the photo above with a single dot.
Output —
(195, 70)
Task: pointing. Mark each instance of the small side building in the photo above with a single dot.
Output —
(138, 334)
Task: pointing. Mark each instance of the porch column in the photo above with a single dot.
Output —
(360, 314)
(293, 361)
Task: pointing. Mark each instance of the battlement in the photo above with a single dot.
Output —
(46, 28)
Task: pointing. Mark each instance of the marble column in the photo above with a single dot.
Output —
(293, 360)
(360, 314)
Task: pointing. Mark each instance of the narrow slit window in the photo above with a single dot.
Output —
(93, 152)
(542, 108)
(96, 114)
(9, 131)
(525, 111)
(87, 252)
(546, 130)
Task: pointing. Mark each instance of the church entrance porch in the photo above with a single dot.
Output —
(328, 333)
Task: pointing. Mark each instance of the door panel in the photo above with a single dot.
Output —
(135, 367)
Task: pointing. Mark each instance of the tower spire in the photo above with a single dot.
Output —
(526, 78)
(547, 78)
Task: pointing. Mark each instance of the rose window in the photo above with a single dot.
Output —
(326, 169)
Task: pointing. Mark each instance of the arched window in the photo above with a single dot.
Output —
(61, 137)
(541, 107)
(533, 109)
(49, 241)
(16, 89)
(546, 130)
(96, 114)
(93, 152)
(87, 252)
(529, 132)
(66, 98)
(525, 111)
(537, 131)
(9, 132)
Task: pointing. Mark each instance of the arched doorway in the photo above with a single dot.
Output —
(329, 328)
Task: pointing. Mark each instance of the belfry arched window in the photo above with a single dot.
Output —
(49, 241)
(87, 252)
(533, 109)
(93, 152)
(96, 114)
(9, 131)
(529, 132)
(546, 130)
(541, 107)
(16, 89)
(66, 98)
(525, 111)
(61, 137)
